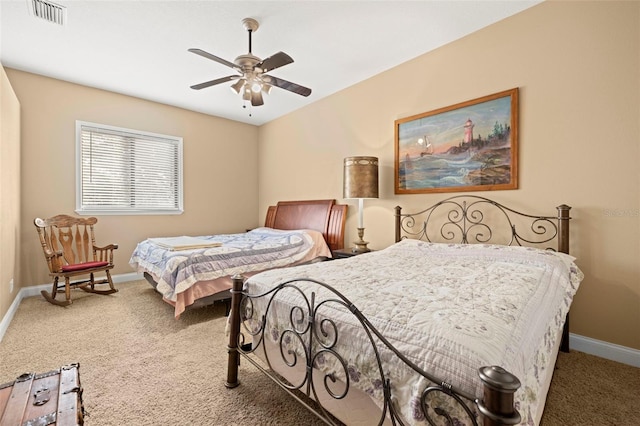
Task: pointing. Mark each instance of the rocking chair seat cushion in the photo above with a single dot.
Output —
(83, 266)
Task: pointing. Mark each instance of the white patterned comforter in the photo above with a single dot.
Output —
(256, 250)
(450, 309)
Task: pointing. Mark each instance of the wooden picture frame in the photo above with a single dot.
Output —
(470, 146)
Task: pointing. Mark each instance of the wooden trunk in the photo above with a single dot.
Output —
(53, 398)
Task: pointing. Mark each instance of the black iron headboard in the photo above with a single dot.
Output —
(468, 219)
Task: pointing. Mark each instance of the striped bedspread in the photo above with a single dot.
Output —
(256, 250)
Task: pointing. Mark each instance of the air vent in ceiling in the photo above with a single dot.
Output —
(49, 11)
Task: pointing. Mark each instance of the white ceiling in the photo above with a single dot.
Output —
(139, 48)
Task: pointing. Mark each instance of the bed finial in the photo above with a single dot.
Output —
(398, 213)
(497, 405)
(563, 228)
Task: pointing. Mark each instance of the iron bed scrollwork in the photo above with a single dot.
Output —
(466, 222)
(311, 335)
(316, 336)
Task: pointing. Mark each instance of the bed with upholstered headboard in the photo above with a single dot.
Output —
(195, 271)
(458, 322)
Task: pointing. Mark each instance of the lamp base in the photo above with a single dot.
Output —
(361, 245)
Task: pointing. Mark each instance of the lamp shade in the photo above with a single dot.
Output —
(360, 177)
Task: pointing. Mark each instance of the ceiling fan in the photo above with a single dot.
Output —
(252, 79)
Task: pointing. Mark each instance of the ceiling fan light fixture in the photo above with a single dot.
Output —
(246, 95)
(256, 87)
(252, 80)
(256, 99)
(237, 86)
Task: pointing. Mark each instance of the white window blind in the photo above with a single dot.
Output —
(123, 171)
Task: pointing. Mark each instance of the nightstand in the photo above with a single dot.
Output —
(344, 253)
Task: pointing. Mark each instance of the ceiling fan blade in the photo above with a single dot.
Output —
(214, 58)
(287, 85)
(214, 82)
(256, 99)
(277, 60)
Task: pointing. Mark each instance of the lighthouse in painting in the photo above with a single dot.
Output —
(468, 131)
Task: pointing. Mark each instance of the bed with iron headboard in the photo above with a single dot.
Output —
(458, 322)
(195, 271)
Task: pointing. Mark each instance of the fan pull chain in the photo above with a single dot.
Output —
(244, 105)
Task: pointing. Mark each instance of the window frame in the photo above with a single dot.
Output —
(102, 210)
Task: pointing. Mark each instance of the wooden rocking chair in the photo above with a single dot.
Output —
(69, 247)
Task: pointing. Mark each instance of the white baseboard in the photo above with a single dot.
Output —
(584, 344)
(6, 320)
(36, 289)
(605, 350)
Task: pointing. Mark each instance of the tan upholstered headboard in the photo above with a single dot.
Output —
(320, 215)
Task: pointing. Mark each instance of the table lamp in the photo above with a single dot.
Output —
(360, 181)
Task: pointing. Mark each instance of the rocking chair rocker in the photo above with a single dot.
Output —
(69, 248)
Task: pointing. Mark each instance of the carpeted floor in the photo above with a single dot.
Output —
(140, 366)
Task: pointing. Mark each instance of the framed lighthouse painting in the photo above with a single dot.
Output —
(470, 146)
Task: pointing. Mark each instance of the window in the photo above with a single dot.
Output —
(123, 171)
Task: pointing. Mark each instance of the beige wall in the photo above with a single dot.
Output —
(220, 161)
(577, 65)
(9, 191)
